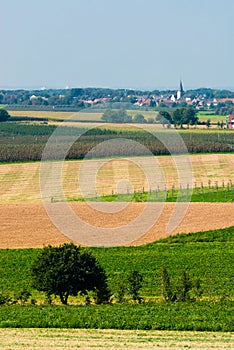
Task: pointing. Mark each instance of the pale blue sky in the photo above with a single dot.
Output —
(145, 44)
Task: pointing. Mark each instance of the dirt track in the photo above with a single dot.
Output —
(27, 225)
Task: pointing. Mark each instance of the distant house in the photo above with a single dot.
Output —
(230, 121)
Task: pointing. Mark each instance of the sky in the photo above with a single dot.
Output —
(139, 44)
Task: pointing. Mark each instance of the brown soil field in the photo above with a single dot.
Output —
(53, 339)
(19, 182)
(28, 225)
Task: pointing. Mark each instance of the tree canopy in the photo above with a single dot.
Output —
(68, 270)
(4, 115)
(116, 116)
(163, 118)
(184, 116)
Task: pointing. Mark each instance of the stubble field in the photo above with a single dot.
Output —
(112, 339)
(19, 182)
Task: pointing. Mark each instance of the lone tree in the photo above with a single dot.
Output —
(4, 115)
(68, 270)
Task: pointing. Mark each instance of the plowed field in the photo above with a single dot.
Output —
(28, 225)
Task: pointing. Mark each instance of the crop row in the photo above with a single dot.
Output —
(28, 144)
(199, 316)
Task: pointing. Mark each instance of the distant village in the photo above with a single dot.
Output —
(202, 98)
(220, 102)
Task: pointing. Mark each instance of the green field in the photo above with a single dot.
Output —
(210, 261)
(199, 316)
(207, 256)
(214, 118)
(199, 194)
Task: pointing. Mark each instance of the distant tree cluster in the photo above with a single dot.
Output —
(121, 116)
(183, 116)
(178, 117)
(225, 108)
(4, 115)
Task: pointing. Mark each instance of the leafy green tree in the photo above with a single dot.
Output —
(184, 116)
(139, 118)
(4, 115)
(135, 280)
(190, 116)
(68, 270)
(164, 118)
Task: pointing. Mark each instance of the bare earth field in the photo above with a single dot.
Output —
(49, 339)
(27, 225)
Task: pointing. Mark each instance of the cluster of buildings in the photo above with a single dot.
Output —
(230, 121)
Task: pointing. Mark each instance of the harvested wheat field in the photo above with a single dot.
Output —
(112, 339)
(28, 225)
(19, 182)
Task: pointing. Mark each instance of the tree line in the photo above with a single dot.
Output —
(178, 117)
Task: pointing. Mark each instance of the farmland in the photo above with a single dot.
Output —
(121, 176)
(205, 255)
(82, 116)
(20, 181)
(213, 117)
(26, 142)
(112, 339)
(89, 115)
(17, 230)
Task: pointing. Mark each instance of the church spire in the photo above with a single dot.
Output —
(180, 92)
(181, 87)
